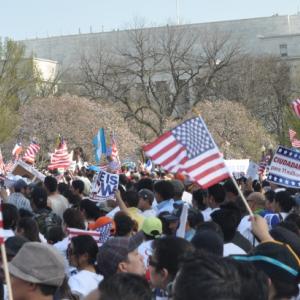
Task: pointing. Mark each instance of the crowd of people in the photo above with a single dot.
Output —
(62, 245)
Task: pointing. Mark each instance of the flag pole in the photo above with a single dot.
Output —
(241, 195)
(6, 273)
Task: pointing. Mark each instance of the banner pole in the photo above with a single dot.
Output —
(242, 195)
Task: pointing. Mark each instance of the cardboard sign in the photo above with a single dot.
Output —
(285, 168)
(242, 168)
(104, 186)
(25, 170)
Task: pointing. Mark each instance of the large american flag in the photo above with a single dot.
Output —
(294, 141)
(296, 107)
(100, 235)
(190, 148)
(60, 159)
(31, 152)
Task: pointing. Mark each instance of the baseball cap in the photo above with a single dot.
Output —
(38, 263)
(114, 251)
(20, 184)
(276, 259)
(152, 226)
(146, 195)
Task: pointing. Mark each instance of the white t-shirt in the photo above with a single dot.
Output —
(84, 282)
(145, 250)
(58, 203)
(245, 229)
(232, 249)
(207, 212)
(149, 213)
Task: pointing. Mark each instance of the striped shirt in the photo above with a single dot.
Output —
(20, 201)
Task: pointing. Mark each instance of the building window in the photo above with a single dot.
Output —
(283, 50)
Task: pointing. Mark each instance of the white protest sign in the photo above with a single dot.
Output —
(285, 168)
(104, 186)
(242, 167)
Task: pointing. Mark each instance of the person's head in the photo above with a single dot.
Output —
(50, 184)
(283, 202)
(124, 224)
(294, 218)
(178, 189)
(28, 228)
(77, 187)
(231, 190)
(62, 188)
(145, 183)
(256, 201)
(13, 245)
(39, 197)
(216, 195)
(165, 223)
(165, 259)
(146, 198)
(89, 209)
(198, 200)
(126, 287)
(72, 218)
(152, 228)
(20, 186)
(270, 197)
(228, 217)
(131, 198)
(280, 264)
(10, 216)
(39, 275)
(55, 234)
(205, 276)
(120, 255)
(163, 190)
(256, 186)
(82, 252)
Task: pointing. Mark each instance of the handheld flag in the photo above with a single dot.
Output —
(99, 143)
(60, 159)
(17, 150)
(294, 141)
(296, 107)
(31, 152)
(190, 148)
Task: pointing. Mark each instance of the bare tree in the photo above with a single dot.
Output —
(157, 73)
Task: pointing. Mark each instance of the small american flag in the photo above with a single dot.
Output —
(296, 107)
(190, 148)
(100, 235)
(31, 152)
(60, 159)
(294, 141)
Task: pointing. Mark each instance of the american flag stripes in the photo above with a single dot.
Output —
(294, 141)
(17, 150)
(262, 165)
(31, 152)
(60, 159)
(296, 107)
(190, 148)
(2, 165)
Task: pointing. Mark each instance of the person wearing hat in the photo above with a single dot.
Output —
(152, 229)
(37, 271)
(146, 198)
(120, 255)
(18, 197)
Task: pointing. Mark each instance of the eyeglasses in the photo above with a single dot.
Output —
(151, 262)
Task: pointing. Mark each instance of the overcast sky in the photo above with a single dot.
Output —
(20, 19)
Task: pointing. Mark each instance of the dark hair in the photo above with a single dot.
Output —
(39, 197)
(165, 223)
(270, 195)
(124, 224)
(47, 290)
(10, 216)
(123, 179)
(165, 189)
(217, 192)
(168, 252)
(90, 208)
(131, 198)
(145, 183)
(50, 183)
(230, 187)
(228, 217)
(73, 199)
(293, 218)
(285, 201)
(85, 244)
(198, 198)
(30, 229)
(210, 225)
(73, 218)
(23, 213)
(125, 286)
(207, 277)
(256, 186)
(78, 185)
(195, 218)
(55, 234)
(285, 289)
(62, 187)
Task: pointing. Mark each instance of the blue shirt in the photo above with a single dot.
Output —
(166, 205)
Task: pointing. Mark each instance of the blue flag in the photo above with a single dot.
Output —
(99, 145)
